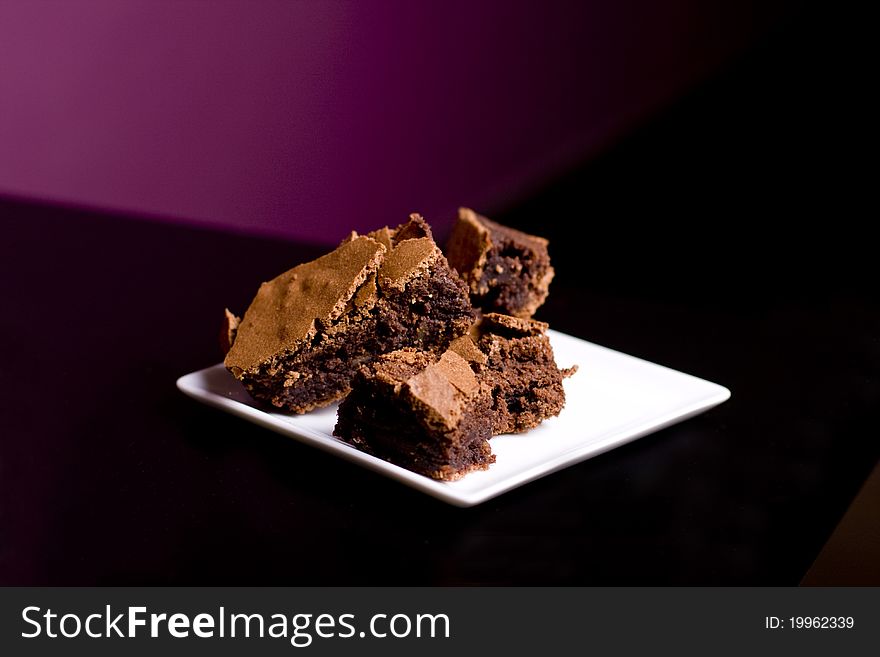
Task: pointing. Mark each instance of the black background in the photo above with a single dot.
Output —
(722, 239)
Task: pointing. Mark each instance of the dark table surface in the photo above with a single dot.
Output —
(110, 476)
(714, 241)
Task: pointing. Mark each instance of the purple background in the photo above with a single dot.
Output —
(307, 119)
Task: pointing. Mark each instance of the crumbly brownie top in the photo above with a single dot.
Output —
(415, 228)
(383, 235)
(410, 251)
(465, 347)
(286, 309)
(441, 389)
(510, 326)
(455, 369)
(407, 260)
(289, 309)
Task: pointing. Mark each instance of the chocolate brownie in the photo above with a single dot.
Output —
(508, 271)
(513, 358)
(427, 415)
(435, 417)
(308, 331)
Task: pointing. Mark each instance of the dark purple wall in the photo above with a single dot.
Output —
(307, 119)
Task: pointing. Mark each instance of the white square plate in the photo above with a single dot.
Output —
(612, 399)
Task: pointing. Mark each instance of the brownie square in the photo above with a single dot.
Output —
(427, 415)
(507, 271)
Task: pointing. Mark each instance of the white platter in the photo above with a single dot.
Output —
(612, 399)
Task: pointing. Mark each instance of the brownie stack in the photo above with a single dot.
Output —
(432, 356)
